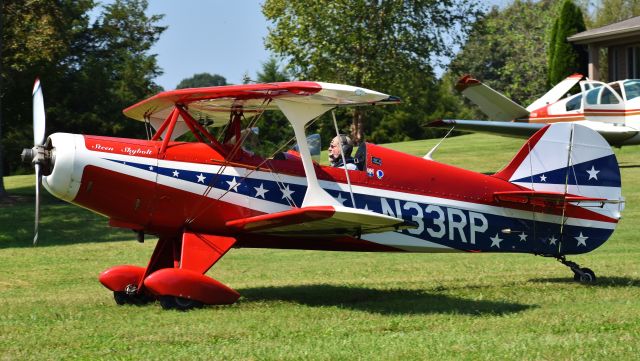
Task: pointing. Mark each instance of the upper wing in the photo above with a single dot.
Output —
(510, 129)
(319, 221)
(492, 103)
(216, 103)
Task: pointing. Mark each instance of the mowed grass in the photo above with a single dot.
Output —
(308, 305)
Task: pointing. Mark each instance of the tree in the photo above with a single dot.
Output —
(274, 127)
(202, 80)
(374, 44)
(89, 72)
(506, 50)
(612, 11)
(565, 58)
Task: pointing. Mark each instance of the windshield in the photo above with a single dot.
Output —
(632, 89)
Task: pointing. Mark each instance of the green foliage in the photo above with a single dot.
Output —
(89, 72)
(202, 80)
(612, 11)
(566, 58)
(506, 50)
(384, 45)
(275, 130)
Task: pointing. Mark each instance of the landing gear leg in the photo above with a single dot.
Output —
(583, 275)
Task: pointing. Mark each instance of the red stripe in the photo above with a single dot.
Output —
(507, 172)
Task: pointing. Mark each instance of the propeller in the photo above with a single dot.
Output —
(40, 154)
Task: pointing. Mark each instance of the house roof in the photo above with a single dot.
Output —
(622, 29)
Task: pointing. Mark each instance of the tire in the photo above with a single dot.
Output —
(179, 303)
(588, 276)
(121, 297)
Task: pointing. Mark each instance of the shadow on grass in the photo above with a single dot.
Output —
(60, 222)
(600, 281)
(391, 302)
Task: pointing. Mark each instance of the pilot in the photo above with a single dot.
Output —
(335, 158)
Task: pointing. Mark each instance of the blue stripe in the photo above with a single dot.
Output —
(605, 174)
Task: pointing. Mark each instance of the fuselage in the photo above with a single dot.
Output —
(192, 186)
(611, 109)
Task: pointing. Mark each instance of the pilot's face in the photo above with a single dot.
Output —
(334, 149)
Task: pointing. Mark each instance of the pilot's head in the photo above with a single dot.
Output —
(343, 141)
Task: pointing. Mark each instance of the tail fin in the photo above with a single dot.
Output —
(495, 105)
(556, 92)
(572, 160)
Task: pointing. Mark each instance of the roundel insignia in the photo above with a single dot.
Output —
(359, 92)
(379, 173)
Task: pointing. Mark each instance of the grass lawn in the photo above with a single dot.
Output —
(299, 305)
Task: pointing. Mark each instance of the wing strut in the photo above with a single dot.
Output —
(344, 160)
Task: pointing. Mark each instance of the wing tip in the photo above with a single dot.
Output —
(465, 82)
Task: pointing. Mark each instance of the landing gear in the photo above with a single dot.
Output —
(582, 275)
(178, 303)
(130, 296)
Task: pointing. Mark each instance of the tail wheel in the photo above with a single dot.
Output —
(586, 275)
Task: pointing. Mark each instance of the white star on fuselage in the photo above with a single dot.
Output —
(552, 240)
(523, 236)
(582, 240)
(260, 191)
(233, 185)
(201, 178)
(286, 192)
(176, 173)
(340, 199)
(150, 167)
(543, 178)
(495, 241)
(593, 173)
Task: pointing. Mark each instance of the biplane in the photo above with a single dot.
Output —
(559, 196)
(612, 109)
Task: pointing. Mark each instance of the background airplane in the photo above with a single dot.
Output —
(560, 195)
(613, 109)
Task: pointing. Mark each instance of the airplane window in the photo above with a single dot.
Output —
(608, 97)
(592, 96)
(574, 103)
(632, 89)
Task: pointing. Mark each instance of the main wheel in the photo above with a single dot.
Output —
(179, 303)
(121, 297)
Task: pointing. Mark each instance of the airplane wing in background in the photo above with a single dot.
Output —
(510, 129)
(492, 103)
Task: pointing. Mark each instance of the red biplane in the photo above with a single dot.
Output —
(560, 195)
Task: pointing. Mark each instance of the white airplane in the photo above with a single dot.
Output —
(612, 109)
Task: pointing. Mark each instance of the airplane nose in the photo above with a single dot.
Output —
(64, 180)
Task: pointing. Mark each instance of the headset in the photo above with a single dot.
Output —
(347, 147)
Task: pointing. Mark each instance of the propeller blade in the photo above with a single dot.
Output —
(37, 222)
(38, 114)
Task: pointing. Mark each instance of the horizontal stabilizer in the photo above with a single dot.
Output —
(548, 199)
(492, 103)
(556, 92)
(319, 220)
(509, 129)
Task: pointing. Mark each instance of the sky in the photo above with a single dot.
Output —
(214, 36)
